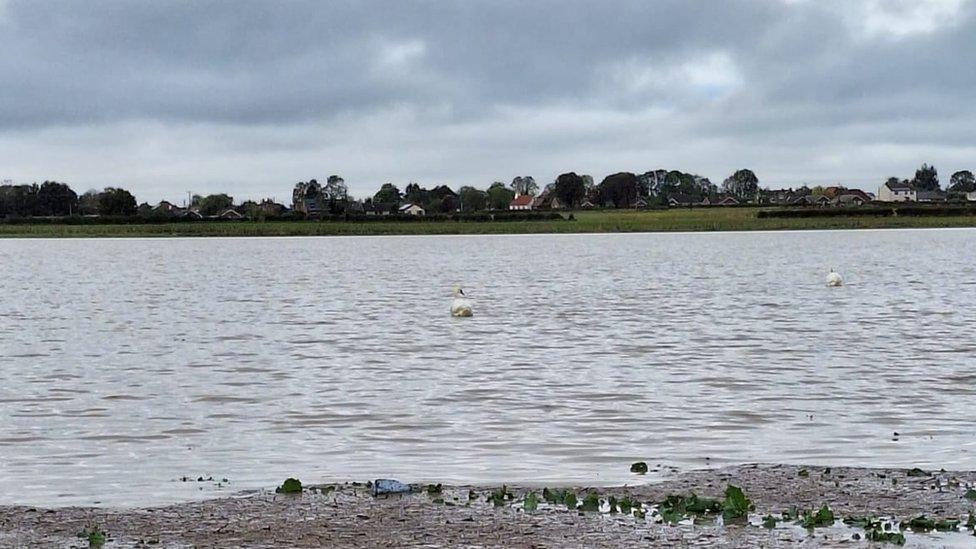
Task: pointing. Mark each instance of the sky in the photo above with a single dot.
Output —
(249, 97)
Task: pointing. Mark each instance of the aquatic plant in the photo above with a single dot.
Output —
(290, 486)
(675, 508)
(500, 496)
(736, 504)
(570, 500)
(639, 467)
(823, 517)
(591, 503)
(916, 472)
(886, 537)
(531, 502)
(95, 536)
(925, 524)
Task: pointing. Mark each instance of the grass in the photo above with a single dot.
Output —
(682, 219)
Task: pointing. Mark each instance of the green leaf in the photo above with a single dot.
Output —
(499, 496)
(887, 537)
(591, 503)
(697, 505)
(823, 517)
(290, 486)
(639, 467)
(970, 495)
(736, 505)
(95, 536)
(920, 523)
(570, 500)
(626, 505)
(531, 502)
(769, 521)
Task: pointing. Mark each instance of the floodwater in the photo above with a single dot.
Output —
(127, 365)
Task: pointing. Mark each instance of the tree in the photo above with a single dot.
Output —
(335, 189)
(742, 184)
(416, 194)
(525, 185)
(388, 193)
(116, 201)
(819, 190)
(88, 203)
(569, 189)
(962, 182)
(620, 189)
(499, 196)
(55, 198)
(926, 178)
(215, 203)
(472, 199)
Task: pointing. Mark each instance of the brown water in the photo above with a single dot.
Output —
(126, 365)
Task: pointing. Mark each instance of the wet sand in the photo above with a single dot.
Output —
(348, 515)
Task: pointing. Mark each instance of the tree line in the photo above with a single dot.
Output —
(568, 190)
(57, 199)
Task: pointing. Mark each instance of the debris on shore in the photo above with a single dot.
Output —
(742, 506)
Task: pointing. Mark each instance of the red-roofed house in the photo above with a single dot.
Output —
(521, 202)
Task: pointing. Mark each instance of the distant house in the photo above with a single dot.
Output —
(381, 208)
(307, 199)
(779, 196)
(271, 208)
(587, 205)
(521, 202)
(897, 191)
(640, 203)
(355, 207)
(930, 196)
(165, 208)
(230, 213)
(190, 214)
(848, 199)
(971, 196)
(411, 209)
(720, 201)
(542, 200)
(678, 199)
(811, 200)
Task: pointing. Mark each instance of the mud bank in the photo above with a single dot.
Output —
(348, 515)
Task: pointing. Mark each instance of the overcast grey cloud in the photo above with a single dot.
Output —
(249, 97)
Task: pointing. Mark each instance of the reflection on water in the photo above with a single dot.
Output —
(129, 364)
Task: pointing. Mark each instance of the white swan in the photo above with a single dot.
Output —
(460, 306)
(834, 279)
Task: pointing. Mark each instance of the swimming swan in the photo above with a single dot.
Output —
(834, 279)
(460, 306)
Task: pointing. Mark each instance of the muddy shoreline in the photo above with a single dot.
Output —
(348, 515)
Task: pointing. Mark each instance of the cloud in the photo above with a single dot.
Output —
(250, 98)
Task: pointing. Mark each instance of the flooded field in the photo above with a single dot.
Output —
(132, 368)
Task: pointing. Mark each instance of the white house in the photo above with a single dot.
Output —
(971, 196)
(900, 191)
(411, 209)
